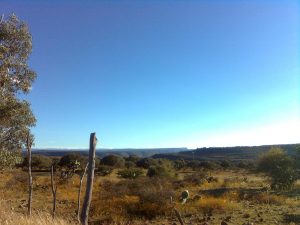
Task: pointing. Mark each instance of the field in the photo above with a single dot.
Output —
(232, 196)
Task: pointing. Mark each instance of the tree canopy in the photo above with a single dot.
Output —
(16, 79)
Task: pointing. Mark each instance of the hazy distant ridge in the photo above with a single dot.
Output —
(230, 153)
(142, 152)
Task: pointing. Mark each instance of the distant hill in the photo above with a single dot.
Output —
(104, 152)
(237, 153)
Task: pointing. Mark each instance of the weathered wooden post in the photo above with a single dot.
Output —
(54, 189)
(89, 182)
(79, 192)
(29, 141)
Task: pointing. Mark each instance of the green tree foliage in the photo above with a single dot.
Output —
(9, 159)
(159, 171)
(132, 158)
(113, 160)
(129, 164)
(179, 164)
(130, 173)
(280, 167)
(73, 161)
(104, 170)
(16, 78)
(146, 163)
(39, 162)
(298, 159)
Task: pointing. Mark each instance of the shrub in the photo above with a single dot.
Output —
(131, 173)
(113, 160)
(197, 178)
(143, 198)
(73, 161)
(38, 162)
(179, 164)
(209, 165)
(154, 198)
(208, 204)
(193, 164)
(129, 164)
(225, 164)
(280, 167)
(132, 158)
(159, 171)
(104, 170)
(146, 163)
(70, 164)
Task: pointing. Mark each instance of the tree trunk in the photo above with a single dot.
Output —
(54, 189)
(89, 182)
(28, 146)
(79, 192)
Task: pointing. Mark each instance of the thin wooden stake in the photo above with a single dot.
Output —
(30, 184)
(90, 179)
(54, 189)
(79, 192)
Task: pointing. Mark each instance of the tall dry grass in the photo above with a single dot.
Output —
(10, 217)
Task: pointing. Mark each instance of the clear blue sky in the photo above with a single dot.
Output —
(164, 73)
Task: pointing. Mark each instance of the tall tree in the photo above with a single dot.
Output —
(16, 79)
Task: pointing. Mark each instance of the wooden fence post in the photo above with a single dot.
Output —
(90, 180)
(79, 192)
(29, 141)
(54, 189)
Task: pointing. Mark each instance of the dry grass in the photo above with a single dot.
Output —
(121, 201)
(10, 217)
(265, 198)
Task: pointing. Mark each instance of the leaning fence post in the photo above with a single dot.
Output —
(54, 189)
(89, 183)
(29, 141)
(79, 192)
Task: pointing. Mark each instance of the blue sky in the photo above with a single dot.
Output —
(163, 73)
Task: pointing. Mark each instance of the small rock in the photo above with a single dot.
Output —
(224, 223)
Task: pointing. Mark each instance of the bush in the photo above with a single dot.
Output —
(209, 165)
(146, 163)
(130, 173)
(225, 163)
(129, 164)
(280, 167)
(142, 197)
(104, 170)
(113, 160)
(73, 161)
(132, 158)
(159, 171)
(38, 162)
(197, 178)
(179, 164)
(193, 164)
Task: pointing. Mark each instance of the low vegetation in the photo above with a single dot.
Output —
(145, 191)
